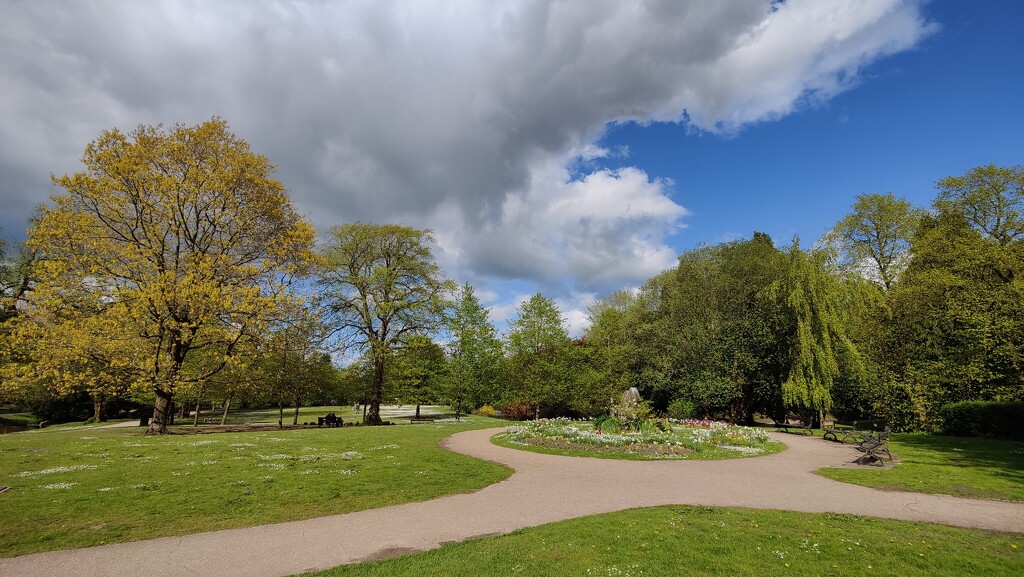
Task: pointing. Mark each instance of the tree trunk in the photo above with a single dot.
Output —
(295, 419)
(161, 412)
(280, 414)
(199, 399)
(417, 410)
(97, 407)
(458, 410)
(224, 416)
(373, 416)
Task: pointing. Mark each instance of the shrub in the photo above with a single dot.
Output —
(682, 409)
(983, 419)
(607, 423)
(518, 410)
(899, 406)
(486, 411)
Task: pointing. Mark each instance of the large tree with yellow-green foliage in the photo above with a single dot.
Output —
(184, 237)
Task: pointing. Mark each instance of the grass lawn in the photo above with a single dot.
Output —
(82, 486)
(702, 541)
(961, 466)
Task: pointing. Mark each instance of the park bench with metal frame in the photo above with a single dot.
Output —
(331, 420)
(875, 448)
(802, 424)
(852, 431)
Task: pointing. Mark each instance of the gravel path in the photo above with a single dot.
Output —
(545, 488)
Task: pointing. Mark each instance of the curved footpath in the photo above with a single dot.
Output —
(544, 488)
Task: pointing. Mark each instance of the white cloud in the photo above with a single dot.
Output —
(460, 116)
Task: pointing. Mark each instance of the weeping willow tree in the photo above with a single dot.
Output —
(820, 350)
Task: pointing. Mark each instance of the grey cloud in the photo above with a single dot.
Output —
(390, 110)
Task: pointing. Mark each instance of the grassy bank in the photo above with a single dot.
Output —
(85, 486)
(965, 467)
(701, 541)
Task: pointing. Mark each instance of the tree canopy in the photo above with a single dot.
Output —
(184, 237)
(381, 287)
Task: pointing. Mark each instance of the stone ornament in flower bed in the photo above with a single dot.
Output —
(631, 411)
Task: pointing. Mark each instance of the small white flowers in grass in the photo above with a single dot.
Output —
(274, 466)
(238, 483)
(350, 455)
(60, 486)
(345, 472)
(310, 472)
(383, 447)
(105, 489)
(54, 470)
(201, 443)
(209, 462)
(744, 450)
(277, 457)
(241, 445)
(133, 444)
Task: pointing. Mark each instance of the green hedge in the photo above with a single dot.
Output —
(983, 419)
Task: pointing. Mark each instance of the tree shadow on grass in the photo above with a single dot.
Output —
(1007, 457)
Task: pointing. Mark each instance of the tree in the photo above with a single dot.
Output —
(958, 316)
(188, 235)
(990, 198)
(535, 342)
(874, 239)
(418, 371)
(474, 352)
(381, 287)
(812, 299)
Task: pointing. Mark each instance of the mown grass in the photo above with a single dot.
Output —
(964, 467)
(702, 541)
(114, 485)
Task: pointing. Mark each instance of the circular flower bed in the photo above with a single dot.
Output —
(690, 439)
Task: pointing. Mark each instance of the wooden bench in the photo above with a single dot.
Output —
(331, 420)
(801, 425)
(853, 431)
(875, 449)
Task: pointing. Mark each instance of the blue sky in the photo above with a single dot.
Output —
(540, 140)
(953, 102)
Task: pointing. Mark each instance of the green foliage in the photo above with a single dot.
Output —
(812, 298)
(475, 356)
(983, 419)
(874, 239)
(682, 409)
(381, 286)
(418, 371)
(536, 344)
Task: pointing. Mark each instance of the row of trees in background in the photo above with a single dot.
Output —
(895, 313)
(174, 271)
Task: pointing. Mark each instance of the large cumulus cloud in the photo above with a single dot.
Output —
(462, 116)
